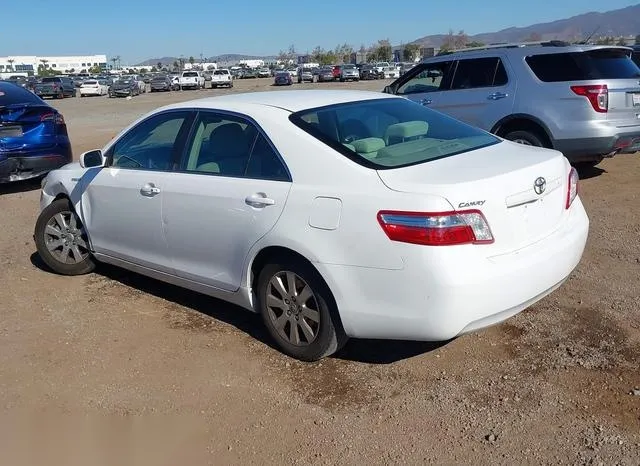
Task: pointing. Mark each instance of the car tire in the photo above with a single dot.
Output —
(315, 320)
(527, 138)
(61, 217)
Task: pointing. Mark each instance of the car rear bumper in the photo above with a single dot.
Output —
(589, 149)
(22, 167)
(458, 292)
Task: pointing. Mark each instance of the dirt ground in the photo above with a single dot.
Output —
(114, 368)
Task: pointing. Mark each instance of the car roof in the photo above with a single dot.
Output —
(293, 101)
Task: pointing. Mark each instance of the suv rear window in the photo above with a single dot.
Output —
(189, 74)
(583, 66)
(390, 133)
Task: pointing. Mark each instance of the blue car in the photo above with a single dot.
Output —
(33, 135)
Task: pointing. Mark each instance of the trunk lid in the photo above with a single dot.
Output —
(500, 182)
(27, 126)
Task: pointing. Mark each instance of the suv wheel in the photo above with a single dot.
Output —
(524, 137)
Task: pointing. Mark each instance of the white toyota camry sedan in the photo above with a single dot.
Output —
(333, 214)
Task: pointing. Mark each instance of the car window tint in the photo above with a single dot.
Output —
(151, 144)
(475, 73)
(264, 163)
(580, 66)
(221, 145)
(430, 78)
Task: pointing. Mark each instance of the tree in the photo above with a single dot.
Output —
(159, 65)
(11, 61)
(95, 70)
(175, 64)
(475, 43)
(382, 51)
(143, 71)
(192, 61)
(411, 52)
(343, 53)
(323, 57)
(454, 41)
(605, 41)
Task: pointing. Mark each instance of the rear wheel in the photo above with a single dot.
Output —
(526, 138)
(298, 310)
(61, 240)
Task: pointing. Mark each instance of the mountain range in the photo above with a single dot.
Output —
(615, 23)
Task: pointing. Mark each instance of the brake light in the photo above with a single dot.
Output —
(436, 228)
(572, 188)
(57, 118)
(598, 95)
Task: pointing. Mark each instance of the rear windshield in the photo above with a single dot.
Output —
(390, 133)
(219, 72)
(51, 80)
(160, 78)
(190, 74)
(90, 83)
(11, 94)
(584, 66)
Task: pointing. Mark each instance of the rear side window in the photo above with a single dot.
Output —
(479, 72)
(583, 66)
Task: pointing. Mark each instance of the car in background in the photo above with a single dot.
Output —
(93, 87)
(282, 78)
(160, 83)
(391, 72)
(369, 72)
(457, 229)
(248, 73)
(57, 87)
(33, 135)
(221, 78)
(514, 90)
(305, 75)
(264, 73)
(325, 74)
(126, 86)
(381, 65)
(191, 80)
(349, 73)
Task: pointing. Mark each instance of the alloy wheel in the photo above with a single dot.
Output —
(65, 239)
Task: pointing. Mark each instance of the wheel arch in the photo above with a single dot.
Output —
(274, 253)
(523, 122)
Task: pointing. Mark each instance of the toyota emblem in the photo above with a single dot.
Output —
(539, 185)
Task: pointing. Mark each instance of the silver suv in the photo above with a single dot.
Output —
(583, 100)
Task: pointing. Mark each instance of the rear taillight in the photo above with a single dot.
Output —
(436, 229)
(598, 95)
(572, 188)
(57, 118)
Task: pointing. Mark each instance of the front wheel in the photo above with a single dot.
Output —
(298, 310)
(61, 240)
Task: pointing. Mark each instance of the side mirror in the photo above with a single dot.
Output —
(93, 158)
(387, 90)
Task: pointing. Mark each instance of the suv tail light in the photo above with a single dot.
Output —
(598, 95)
(436, 228)
(572, 188)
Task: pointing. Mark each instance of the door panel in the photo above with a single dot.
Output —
(481, 93)
(230, 193)
(122, 204)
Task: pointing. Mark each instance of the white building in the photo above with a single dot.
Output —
(69, 64)
(252, 63)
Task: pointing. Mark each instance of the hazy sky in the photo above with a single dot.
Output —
(141, 29)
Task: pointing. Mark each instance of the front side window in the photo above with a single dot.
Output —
(479, 72)
(390, 133)
(229, 145)
(152, 144)
(428, 78)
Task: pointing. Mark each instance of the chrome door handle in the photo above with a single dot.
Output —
(498, 95)
(426, 101)
(150, 190)
(259, 200)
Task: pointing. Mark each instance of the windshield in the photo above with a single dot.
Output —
(348, 67)
(190, 74)
(50, 80)
(90, 83)
(390, 133)
(159, 78)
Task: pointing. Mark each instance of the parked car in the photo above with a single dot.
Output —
(336, 72)
(325, 74)
(57, 87)
(161, 83)
(391, 72)
(583, 100)
(305, 74)
(368, 72)
(93, 87)
(381, 65)
(248, 73)
(191, 80)
(175, 80)
(349, 73)
(264, 73)
(222, 77)
(124, 87)
(445, 215)
(33, 135)
(283, 78)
